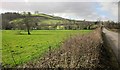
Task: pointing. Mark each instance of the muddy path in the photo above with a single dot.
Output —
(112, 39)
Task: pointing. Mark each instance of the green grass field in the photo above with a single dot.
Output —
(25, 47)
(0, 46)
(50, 21)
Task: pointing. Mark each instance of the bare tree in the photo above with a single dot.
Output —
(27, 21)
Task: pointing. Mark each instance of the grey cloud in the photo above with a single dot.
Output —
(52, 7)
(84, 10)
(60, 0)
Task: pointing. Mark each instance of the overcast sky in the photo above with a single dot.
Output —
(79, 9)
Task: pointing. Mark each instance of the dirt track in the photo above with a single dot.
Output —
(112, 38)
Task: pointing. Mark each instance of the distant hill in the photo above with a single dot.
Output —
(47, 16)
(44, 21)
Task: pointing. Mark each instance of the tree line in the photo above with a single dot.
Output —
(112, 25)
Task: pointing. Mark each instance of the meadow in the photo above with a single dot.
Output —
(0, 46)
(19, 48)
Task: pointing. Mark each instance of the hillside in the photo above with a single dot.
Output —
(43, 22)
